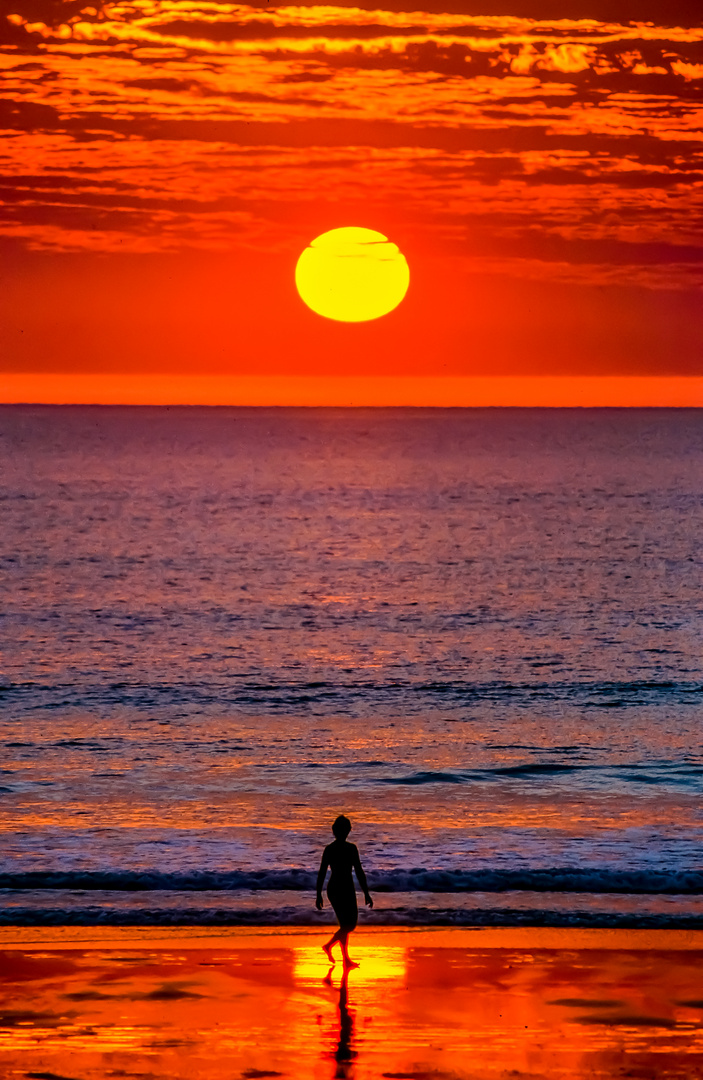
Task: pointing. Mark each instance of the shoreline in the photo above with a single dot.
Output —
(88, 1003)
(509, 937)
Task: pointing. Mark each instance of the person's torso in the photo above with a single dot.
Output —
(342, 857)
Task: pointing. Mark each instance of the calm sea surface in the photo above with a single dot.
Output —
(477, 632)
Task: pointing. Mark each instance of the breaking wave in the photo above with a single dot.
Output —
(410, 695)
(416, 880)
(293, 916)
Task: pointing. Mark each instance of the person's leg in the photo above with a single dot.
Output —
(327, 948)
(343, 941)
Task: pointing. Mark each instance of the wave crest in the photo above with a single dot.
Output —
(418, 879)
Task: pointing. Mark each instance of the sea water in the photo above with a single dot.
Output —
(476, 632)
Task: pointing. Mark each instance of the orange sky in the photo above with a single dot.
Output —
(166, 161)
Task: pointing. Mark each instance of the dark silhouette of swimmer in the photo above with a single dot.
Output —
(342, 857)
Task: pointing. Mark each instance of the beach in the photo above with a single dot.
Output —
(82, 1003)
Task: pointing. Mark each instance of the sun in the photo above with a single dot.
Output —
(352, 275)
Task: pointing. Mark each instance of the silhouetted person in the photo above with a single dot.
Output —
(342, 857)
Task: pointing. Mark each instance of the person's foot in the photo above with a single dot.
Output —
(327, 950)
(349, 964)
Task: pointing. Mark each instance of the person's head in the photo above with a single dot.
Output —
(341, 827)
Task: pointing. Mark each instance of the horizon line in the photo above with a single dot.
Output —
(352, 391)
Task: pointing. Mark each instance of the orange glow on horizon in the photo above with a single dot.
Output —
(48, 388)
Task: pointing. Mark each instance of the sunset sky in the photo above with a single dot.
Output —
(165, 163)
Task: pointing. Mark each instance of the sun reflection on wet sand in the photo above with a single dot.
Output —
(377, 964)
(96, 1003)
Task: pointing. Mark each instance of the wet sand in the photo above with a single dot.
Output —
(85, 1003)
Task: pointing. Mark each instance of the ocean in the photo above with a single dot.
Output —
(476, 632)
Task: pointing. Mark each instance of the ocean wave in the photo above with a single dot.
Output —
(292, 916)
(408, 694)
(424, 777)
(528, 769)
(537, 768)
(416, 880)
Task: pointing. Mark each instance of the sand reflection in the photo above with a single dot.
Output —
(454, 1003)
(377, 964)
(356, 994)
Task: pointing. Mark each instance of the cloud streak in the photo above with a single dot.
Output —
(536, 145)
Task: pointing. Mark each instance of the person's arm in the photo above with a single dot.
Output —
(361, 878)
(321, 879)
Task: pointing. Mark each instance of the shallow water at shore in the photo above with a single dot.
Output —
(95, 907)
(458, 1004)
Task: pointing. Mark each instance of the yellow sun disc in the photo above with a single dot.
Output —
(352, 275)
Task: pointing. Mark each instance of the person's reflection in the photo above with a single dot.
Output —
(344, 1053)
